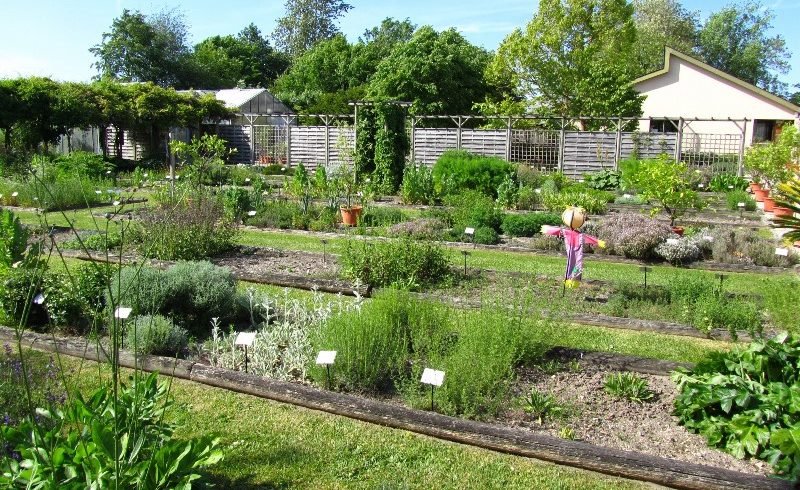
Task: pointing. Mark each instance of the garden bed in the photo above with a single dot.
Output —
(649, 462)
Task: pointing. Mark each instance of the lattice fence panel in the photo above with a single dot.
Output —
(347, 142)
(430, 143)
(308, 146)
(270, 144)
(537, 148)
(711, 153)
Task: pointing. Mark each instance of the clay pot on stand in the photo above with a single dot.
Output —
(769, 205)
(678, 230)
(761, 194)
(754, 186)
(781, 212)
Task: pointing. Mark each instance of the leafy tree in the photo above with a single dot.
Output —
(439, 72)
(735, 40)
(143, 48)
(245, 60)
(661, 23)
(306, 23)
(11, 109)
(320, 76)
(571, 59)
(376, 44)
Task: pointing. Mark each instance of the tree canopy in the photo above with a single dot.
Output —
(572, 58)
(306, 23)
(143, 48)
(661, 23)
(439, 72)
(736, 41)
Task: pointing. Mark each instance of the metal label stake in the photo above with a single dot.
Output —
(326, 358)
(433, 378)
(645, 269)
(246, 340)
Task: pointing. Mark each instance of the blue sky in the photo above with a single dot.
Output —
(52, 37)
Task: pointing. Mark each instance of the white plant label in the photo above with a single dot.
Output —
(247, 179)
(432, 377)
(14, 194)
(469, 231)
(708, 238)
(782, 251)
(39, 299)
(741, 204)
(98, 192)
(537, 190)
(115, 203)
(700, 185)
(627, 196)
(245, 338)
(251, 213)
(122, 313)
(326, 357)
(730, 187)
(672, 241)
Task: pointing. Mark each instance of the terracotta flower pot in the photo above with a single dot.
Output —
(769, 205)
(350, 215)
(761, 194)
(678, 230)
(754, 186)
(779, 212)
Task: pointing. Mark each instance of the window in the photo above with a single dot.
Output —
(763, 130)
(663, 126)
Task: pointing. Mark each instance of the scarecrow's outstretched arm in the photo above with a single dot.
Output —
(551, 230)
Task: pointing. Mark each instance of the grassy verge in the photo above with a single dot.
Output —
(272, 445)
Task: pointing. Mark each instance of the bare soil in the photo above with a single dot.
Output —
(258, 261)
(599, 418)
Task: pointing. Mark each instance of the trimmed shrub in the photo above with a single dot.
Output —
(685, 250)
(485, 236)
(404, 263)
(508, 193)
(528, 176)
(155, 334)
(191, 293)
(474, 210)
(633, 235)
(745, 246)
(527, 225)
(382, 216)
(528, 198)
(458, 170)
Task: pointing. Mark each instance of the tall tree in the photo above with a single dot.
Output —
(143, 48)
(571, 59)
(306, 23)
(736, 40)
(661, 23)
(439, 72)
(377, 43)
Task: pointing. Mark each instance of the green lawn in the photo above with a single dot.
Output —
(273, 445)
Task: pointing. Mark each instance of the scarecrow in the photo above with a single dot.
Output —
(574, 240)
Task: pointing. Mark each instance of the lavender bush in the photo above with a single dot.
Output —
(419, 229)
(633, 235)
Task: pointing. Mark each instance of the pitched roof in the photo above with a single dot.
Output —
(669, 53)
(233, 98)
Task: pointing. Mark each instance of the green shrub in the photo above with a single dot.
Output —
(51, 193)
(458, 170)
(629, 386)
(191, 230)
(633, 235)
(723, 183)
(745, 402)
(745, 246)
(474, 210)
(403, 262)
(418, 186)
(604, 180)
(382, 216)
(96, 241)
(593, 201)
(236, 203)
(155, 334)
(508, 193)
(528, 198)
(374, 343)
(527, 225)
(733, 198)
(191, 293)
(82, 163)
(528, 176)
(419, 229)
(486, 236)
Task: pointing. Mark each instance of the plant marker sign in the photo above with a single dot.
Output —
(251, 213)
(470, 232)
(672, 241)
(783, 252)
(39, 299)
(246, 340)
(326, 358)
(122, 313)
(433, 378)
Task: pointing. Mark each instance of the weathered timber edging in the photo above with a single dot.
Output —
(123, 201)
(273, 279)
(701, 265)
(626, 464)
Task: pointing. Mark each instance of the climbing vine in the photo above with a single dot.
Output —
(391, 146)
(365, 142)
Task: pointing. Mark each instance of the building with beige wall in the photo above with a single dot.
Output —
(687, 94)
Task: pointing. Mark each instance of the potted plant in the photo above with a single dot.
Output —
(787, 204)
(348, 187)
(771, 162)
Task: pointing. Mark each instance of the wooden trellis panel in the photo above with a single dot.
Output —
(489, 142)
(648, 145)
(238, 137)
(430, 143)
(588, 152)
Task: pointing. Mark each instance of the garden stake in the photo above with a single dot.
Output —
(431, 398)
(721, 278)
(328, 368)
(245, 358)
(324, 250)
(465, 261)
(645, 270)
